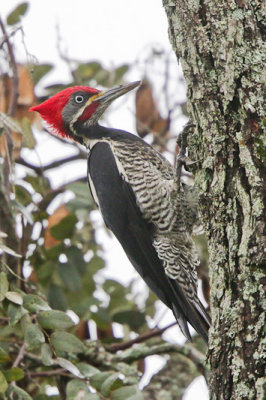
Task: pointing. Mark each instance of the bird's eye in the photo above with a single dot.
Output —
(79, 99)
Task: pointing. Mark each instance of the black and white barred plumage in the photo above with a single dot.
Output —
(146, 183)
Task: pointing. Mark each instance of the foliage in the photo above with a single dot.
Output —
(51, 278)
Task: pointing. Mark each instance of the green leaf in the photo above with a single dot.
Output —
(92, 396)
(25, 322)
(126, 392)
(75, 257)
(57, 298)
(77, 389)
(137, 396)
(4, 357)
(8, 250)
(39, 71)
(14, 17)
(133, 318)
(55, 251)
(69, 366)
(14, 374)
(102, 318)
(113, 287)
(3, 383)
(39, 183)
(77, 205)
(111, 383)
(47, 355)
(14, 297)
(116, 292)
(23, 196)
(45, 271)
(56, 87)
(19, 393)
(34, 303)
(15, 313)
(103, 77)
(97, 380)
(95, 264)
(34, 336)
(65, 228)
(70, 276)
(3, 285)
(81, 304)
(66, 342)
(54, 320)
(87, 71)
(150, 304)
(87, 370)
(81, 191)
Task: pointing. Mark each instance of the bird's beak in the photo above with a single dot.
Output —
(109, 95)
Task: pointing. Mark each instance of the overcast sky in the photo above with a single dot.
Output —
(110, 31)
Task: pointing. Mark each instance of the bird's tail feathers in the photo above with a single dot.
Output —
(202, 311)
(182, 323)
(194, 313)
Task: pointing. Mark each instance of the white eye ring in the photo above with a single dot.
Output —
(79, 99)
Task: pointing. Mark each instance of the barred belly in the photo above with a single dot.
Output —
(161, 203)
(152, 181)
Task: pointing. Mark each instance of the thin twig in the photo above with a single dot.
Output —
(141, 338)
(11, 271)
(53, 372)
(39, 170)
(6, 38)
(20, 355)
(5, 319)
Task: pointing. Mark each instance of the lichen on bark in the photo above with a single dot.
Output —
(220, 45)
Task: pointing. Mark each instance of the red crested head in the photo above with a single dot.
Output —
(78, 107)
(51, 110)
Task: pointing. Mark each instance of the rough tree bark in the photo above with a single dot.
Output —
(220, 44)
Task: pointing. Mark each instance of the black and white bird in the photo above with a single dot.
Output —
(141, 203)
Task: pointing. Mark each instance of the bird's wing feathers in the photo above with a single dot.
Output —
(123, 217)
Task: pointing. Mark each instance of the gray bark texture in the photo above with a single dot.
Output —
(220, 45)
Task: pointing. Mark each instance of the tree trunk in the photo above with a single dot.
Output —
(220, 46)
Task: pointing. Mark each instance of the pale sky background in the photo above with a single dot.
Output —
(112, 32)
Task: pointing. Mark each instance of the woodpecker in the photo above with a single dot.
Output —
(135, 188)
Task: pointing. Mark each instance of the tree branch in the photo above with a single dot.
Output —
(141, 338)
(52, 372)
(142, 351)
(39, 170)
(20, 355)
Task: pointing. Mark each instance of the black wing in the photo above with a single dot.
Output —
(123, 217)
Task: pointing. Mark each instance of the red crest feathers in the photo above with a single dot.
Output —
(51, 109)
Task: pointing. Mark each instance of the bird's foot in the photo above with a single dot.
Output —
(182, 137)
(182, 159)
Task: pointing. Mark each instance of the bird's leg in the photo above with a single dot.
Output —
(181, 158)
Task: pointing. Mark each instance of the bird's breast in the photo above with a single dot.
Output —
(151, 179)
(152, 183)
